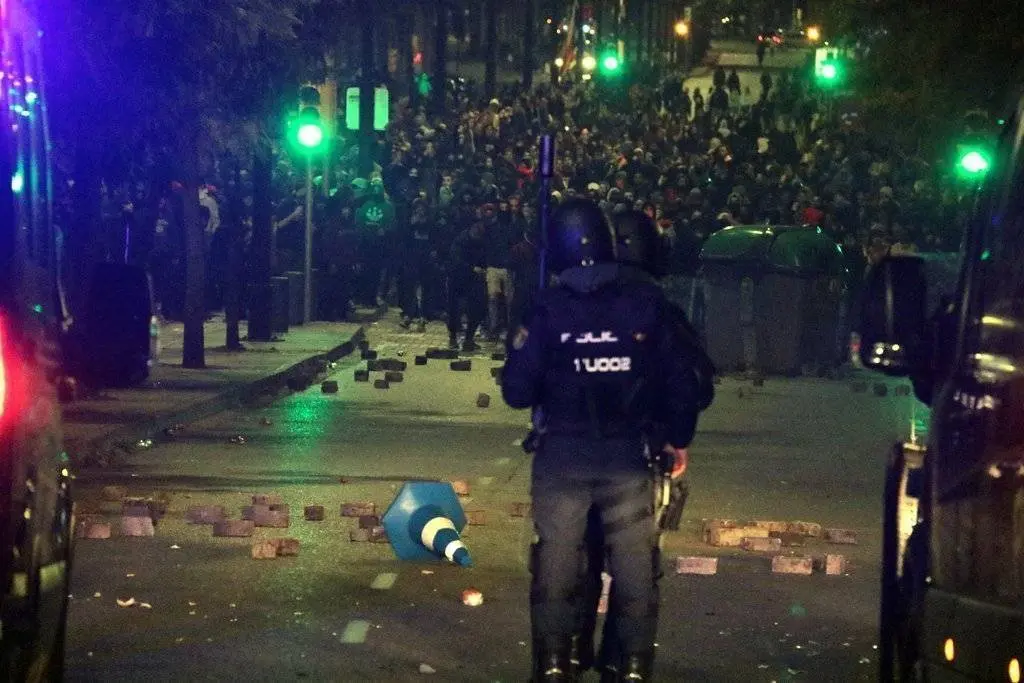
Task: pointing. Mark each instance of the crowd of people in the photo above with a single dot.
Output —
(445, 226)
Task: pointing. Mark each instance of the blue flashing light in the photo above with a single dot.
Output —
(18, 182)
(31, 97)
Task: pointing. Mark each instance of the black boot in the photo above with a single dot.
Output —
(637, 667)
(581, 655)
(552, 666)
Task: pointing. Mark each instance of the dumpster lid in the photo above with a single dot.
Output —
(790, 248)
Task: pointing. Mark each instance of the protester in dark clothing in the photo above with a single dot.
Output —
(467, 292)
(415, 282)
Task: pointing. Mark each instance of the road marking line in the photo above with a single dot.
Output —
(355, 631)
(384, 581)
(503, 461)
(484, 481)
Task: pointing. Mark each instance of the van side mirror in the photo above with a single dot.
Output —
(893, 316)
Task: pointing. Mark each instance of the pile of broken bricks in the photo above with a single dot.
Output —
(770, 539)
(140, 517)
(394, 369)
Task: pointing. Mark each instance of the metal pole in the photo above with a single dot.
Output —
(547, 170)
(307, 299)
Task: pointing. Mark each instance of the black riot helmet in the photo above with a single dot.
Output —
(579, 235)
(639, 244)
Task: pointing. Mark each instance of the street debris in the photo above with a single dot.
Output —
(266, 421)
(427, 669)
(144, 443)
(130, 602)
(471, 597)
(237, 438)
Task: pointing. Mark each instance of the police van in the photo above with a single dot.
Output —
(35, 501)
(953, 544)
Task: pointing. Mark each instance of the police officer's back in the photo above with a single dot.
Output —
(597, 357)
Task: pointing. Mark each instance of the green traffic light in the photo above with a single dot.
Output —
(829, 72)
(610, 63)
(974, 163)
(310, 135)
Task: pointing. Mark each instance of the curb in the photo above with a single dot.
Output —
(92, 452)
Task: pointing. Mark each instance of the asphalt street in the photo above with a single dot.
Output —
(793, 449)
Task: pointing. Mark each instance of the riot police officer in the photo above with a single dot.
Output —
(643, 257)
(596, 355)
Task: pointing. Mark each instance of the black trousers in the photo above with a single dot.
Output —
(561, 507)
(467, 293)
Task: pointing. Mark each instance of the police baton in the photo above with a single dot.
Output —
(547, 170)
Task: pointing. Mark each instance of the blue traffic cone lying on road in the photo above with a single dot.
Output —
(423, 523)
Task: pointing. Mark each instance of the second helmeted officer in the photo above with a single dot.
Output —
(596, 355)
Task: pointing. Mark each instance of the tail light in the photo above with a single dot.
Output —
(3, 371)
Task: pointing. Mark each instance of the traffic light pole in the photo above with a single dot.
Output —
(307, 299)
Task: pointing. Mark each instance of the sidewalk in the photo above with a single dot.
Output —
(119, 418)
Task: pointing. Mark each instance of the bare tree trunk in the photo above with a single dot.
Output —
(262, 247)
(234, 282)
(193, 352)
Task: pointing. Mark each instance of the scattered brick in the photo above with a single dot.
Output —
(264, 550)
(476, 517)
(520, 509)
(771, 526)
(394, 376)
(234, 528)
(287, 547)
(733, 537)
(392, 365)
(804, 528)
(496, 372)
(378, 535)
(858, 387)
(137, 526)
(460, 486)
(114, 493)
(442, 354)
(461, 365)
(841, 536)
(368, 521)
(329, 386)
(835, 565)
(94, 530)
(759, 544)
(710, 524)
(881, 389)
(268, 499)
(273, 519)
(705, 566)
(483, 401)
(359, 535)
(205, 514)
(782, 564)
(358, 509)
(368, 354)
(135, 508)
(498, 355)
(420, 360)
(380, 384)
(250, 511)
(362, 375)
(788, 539)
(314, 513)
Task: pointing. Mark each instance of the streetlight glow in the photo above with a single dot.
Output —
(588, 63)
(559, 62)
(813, 34)
(682, 28)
